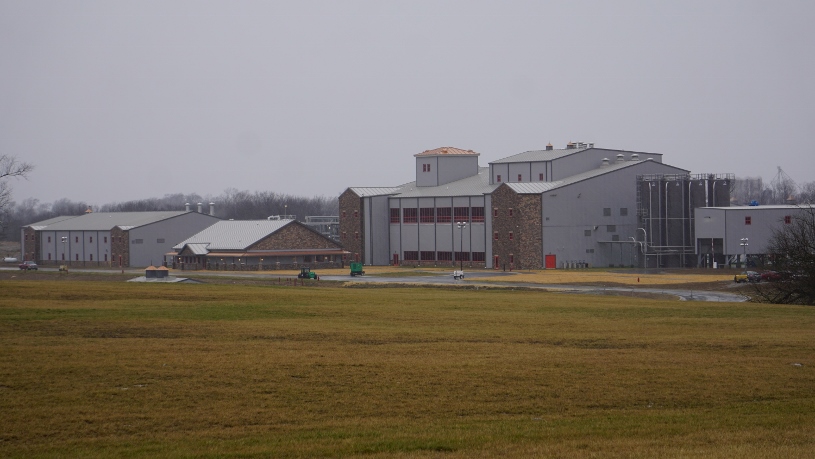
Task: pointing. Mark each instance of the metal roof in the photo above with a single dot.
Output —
(376, 191)
(475, 185)
(103, 221)
(45, 223)
(234, 234)
(549, 155)
(541, 187)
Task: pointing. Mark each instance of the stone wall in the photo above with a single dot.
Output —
(31, 239)
(519, 214)
(119, 246)
(351, 225)
(295, 236)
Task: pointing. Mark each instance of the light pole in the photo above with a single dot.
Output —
(461, 226)
(744, 245)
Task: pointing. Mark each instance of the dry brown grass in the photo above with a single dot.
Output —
(108, 369)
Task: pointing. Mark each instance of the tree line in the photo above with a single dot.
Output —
(231, 204)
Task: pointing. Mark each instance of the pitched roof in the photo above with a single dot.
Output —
(103, 221)
(232, 234)
(474, 185)
(446, 151)
(540, 187)
(376, 191)
(45, 223)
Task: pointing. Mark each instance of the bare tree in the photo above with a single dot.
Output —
(793, 247)
(806, 195)
(10, 166)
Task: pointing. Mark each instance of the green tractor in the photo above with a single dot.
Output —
(306, 273)
(356, 269)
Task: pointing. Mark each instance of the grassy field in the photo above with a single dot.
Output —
(101, 369)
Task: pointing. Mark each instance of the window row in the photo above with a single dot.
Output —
(90, 239)
(425, 255)
(520, 177)
(90, 256)
(607, 211)
(437, 215)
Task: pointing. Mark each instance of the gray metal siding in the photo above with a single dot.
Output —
(172, 231)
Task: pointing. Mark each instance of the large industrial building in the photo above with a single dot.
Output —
(551, 208)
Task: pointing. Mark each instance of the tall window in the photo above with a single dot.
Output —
(787, 219)
(495, 212)
(519, 178)
(495, 235)
(443, 215)
(461, 214)
(540, 177)
(394, 215)
(426, 215)
(748, 220)
(409, 215)
(511, 236)
(498, 178)
(477, 214)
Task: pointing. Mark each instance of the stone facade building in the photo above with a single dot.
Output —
(256, 245)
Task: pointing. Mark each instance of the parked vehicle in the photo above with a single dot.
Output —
(771, 276)
(356, 269)
(306, 273)
(747, 276)
(28, 265)
(10, 260)
(458, 275)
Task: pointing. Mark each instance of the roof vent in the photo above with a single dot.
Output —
(187, 206)
(571, 146)
(200, 208)
(620, 157)
(635, 157)
(212, 209)
(549, 146)
(605, 163)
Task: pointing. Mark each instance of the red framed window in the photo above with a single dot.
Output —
(495, 235)
(106, 257)
(479, 256)
(498, 178)
(427, 255)
(76, 239)
(91, 239)
(540, 177)
(426, 215)
(356, 214)
(748, 220)
(510, 212)
(511, 258)
(445, 256)
(91, 255)
(461, 214)
(511, 236)
(356, 234)
(444, 215)
(520, 179)
(409, 215)
(462, 256)
(787, 219)
(411, 255)
(106, 241)
(495, 212)
(477, 214)
(49, 238)
(77, 257)
(394, 215)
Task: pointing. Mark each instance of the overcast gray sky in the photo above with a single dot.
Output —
(121, 100)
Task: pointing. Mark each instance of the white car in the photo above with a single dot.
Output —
(458, 275)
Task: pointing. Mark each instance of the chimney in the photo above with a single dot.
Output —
(212, 209)
(186, 206)
(200, 208)
(549, 146)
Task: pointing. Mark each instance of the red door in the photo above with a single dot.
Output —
(551, 262)
(495, 262)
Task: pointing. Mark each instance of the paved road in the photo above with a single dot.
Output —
(470, 279)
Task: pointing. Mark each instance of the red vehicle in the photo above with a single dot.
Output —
(770, 276)
(28, 265)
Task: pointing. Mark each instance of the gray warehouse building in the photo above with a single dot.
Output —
(731, 235)
(128, 239)
(551, 208)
